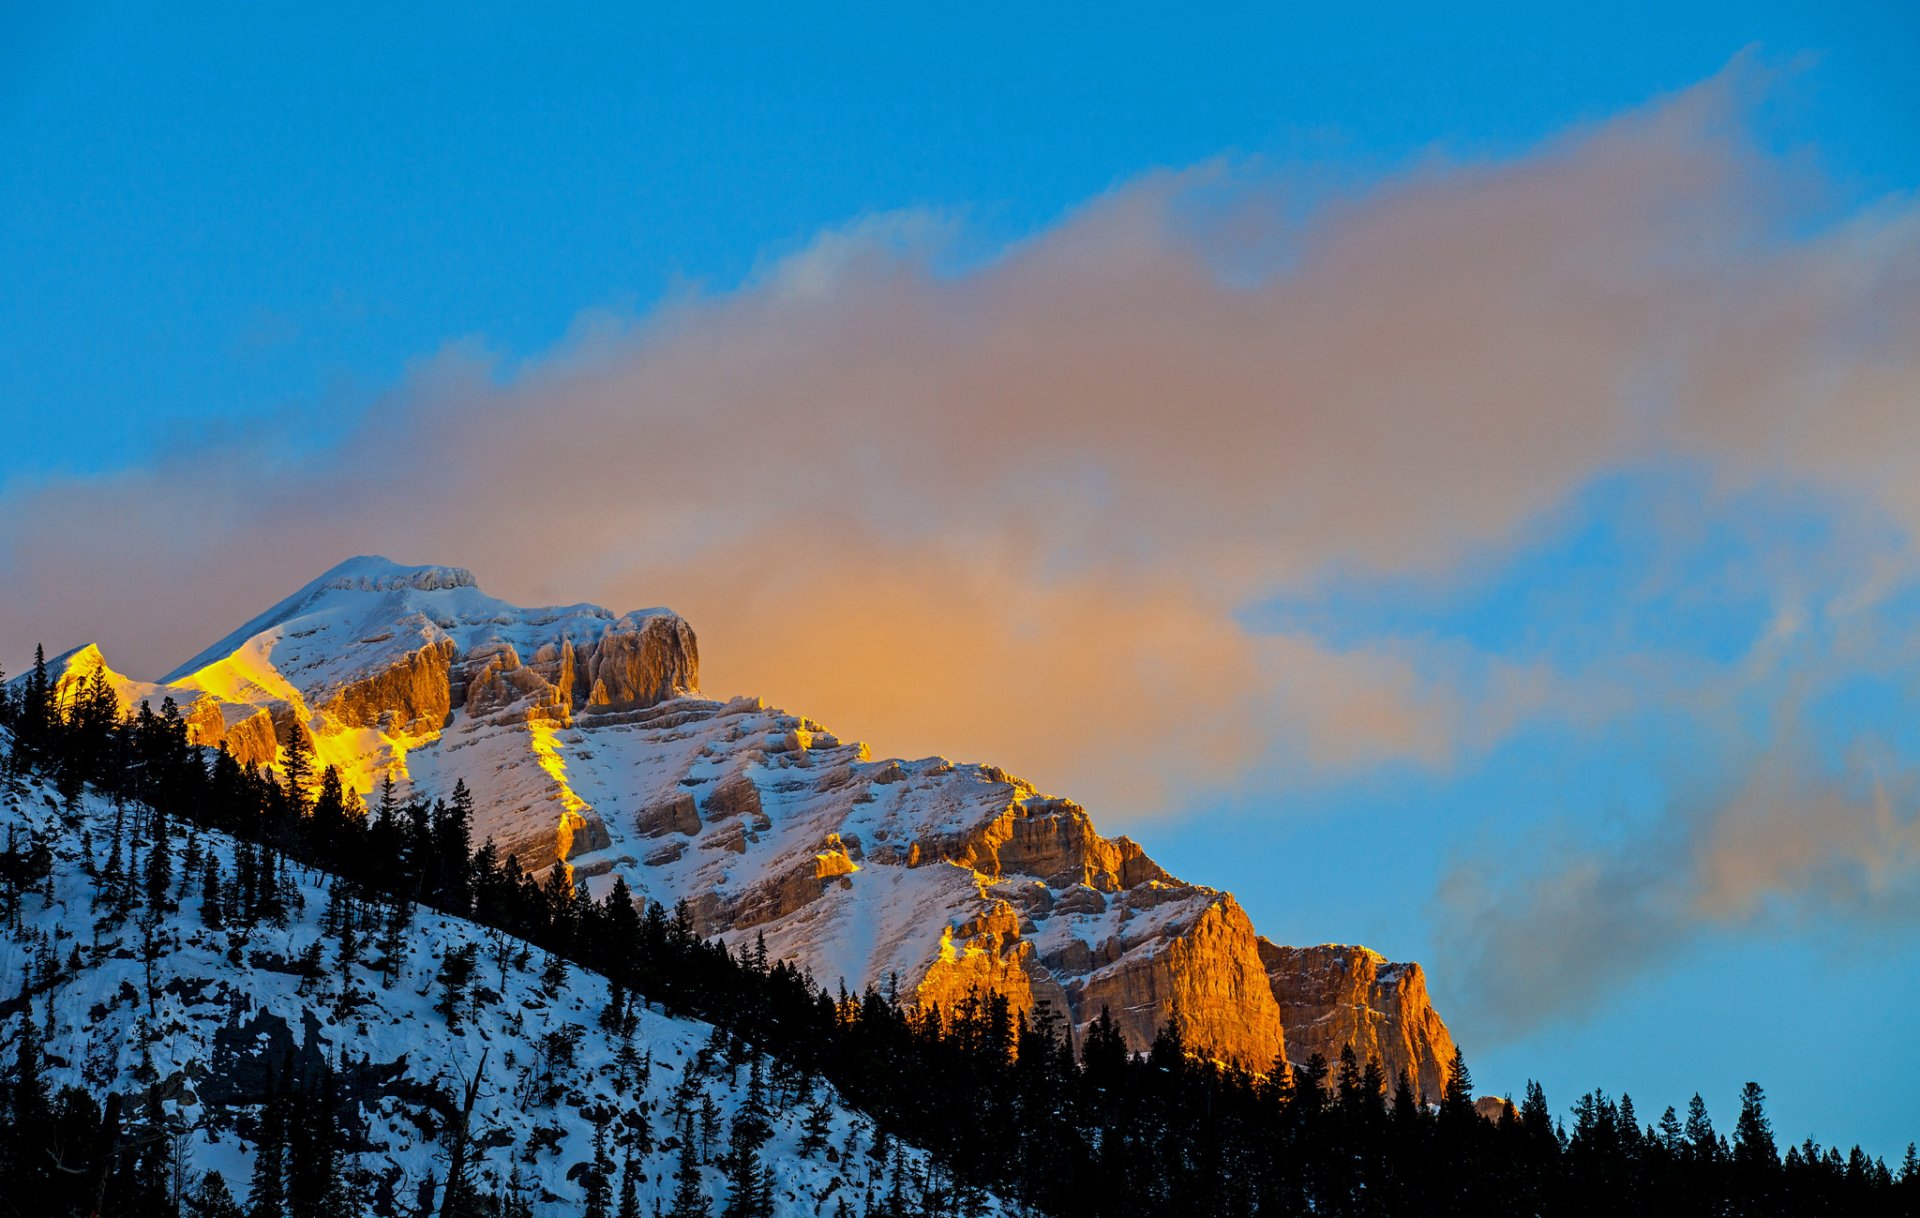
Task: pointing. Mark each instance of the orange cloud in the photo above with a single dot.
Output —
(1012, 511)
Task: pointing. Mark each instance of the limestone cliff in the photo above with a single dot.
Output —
(1204, 972)
(409, 697)
(1334, 995)
(640, 663)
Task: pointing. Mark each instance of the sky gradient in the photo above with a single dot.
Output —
(1444, 475)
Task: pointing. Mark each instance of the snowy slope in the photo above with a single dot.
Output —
(219, 1007)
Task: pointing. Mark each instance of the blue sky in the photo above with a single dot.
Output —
(1650, 690)
(272, 211)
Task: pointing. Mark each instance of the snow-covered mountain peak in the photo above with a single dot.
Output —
(586, 744)
(372, 573)
(375, 600)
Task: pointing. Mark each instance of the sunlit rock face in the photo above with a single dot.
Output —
(1200, 966)
(585, 741)
(411, 697)
(1335, 995)
(640, 661)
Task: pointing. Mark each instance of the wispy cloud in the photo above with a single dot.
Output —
(1788, 843)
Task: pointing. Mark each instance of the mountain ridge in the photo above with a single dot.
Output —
(587, 743)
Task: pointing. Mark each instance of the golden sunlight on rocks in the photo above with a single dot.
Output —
(1334, 995)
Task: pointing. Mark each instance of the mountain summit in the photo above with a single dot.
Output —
(587, 744)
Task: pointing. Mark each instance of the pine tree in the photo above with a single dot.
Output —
(709, 1126)
(159, 865)
(393, 936)
(1536, 1118)
(629, 1189)
(29, 1086)
(456, 970)
(689, 1197)
(1458, 1096)
(743, 1175)
(296, 765)
(1754, 1153)
(213, 1199)
(599, 1175)
(818, 1123)
(553, 978)
(1703, 1146)
(1672, 1135)
(265, 1197)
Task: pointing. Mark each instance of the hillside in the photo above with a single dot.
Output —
(209, 990)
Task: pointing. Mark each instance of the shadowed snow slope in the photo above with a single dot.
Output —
(200, 1019)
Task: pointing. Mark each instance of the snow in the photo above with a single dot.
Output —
(197, 990)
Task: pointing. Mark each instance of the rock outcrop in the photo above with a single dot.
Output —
(641, 661)
(585, 742)
(1205, 973)
(410, 697)
(246, 732)
(1334, 995)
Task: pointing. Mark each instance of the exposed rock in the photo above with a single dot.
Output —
(1206, 975)
(803, 884)
(1334, 995)
(246, 731)
(731, 836)
(661, 856)
(580, 832)
(734, 796)
(676, 815)
(1050, 838)
(641, 661)
(496, 680)
(986, 954)
(1081, 899)
(1495, 1109)
(410, 698)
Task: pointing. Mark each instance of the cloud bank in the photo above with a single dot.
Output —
(1017, 510)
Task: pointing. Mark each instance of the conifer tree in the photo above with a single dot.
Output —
(629, 1190)
(159, 865)
(1670, 1135)
(456, 970)
(743, 1167)
(689, 1197)
(213, 1199)
(1703, 1146)
(1457, 1099)
(296, 764)
(818, 1123)
(599, 1177)
(265, 1196)
(1753, 1147)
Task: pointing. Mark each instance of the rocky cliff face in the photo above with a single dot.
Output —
(586, 743)
(1335, 995)
(410, 697)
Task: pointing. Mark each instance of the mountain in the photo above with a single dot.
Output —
(587, 743)
(213, 1018)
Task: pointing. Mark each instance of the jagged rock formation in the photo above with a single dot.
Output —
(585, 741)
(1334, 995)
